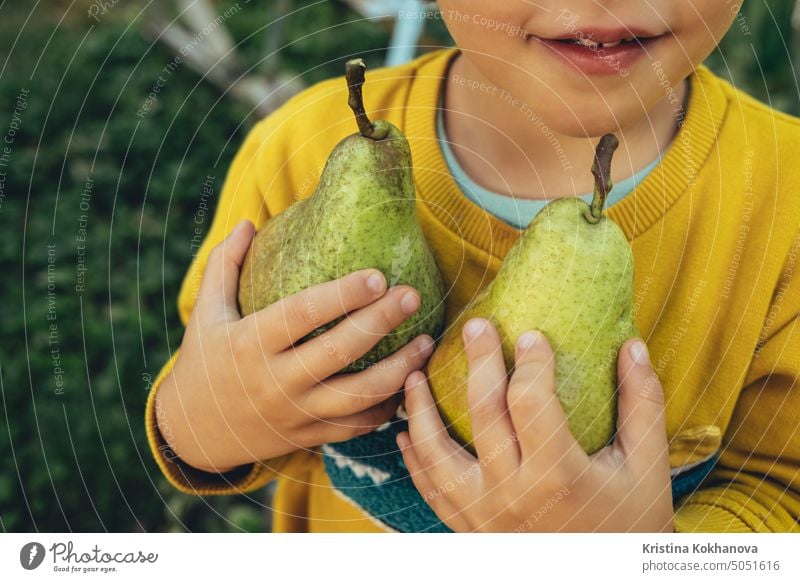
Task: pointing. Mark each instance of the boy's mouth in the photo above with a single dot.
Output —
(589, 43)
(601, 52)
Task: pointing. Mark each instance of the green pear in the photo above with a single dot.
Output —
(362, 214)
(570, 276)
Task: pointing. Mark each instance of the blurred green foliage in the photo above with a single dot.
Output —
(760, 54)
(75, 457)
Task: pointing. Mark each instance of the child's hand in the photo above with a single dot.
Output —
(239, 392)
(531, 474)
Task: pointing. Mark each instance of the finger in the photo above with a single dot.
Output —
(434, 496)
(353, 337)
(351, 393)
(439, 454)
(641, 425)
(540, 422)
(492, 430)
(218, 291)
(343, 428)
(287, 321)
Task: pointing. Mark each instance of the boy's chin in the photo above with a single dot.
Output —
(592, 122)
(586, 128)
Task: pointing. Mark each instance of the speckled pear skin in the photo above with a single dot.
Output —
(573, 281)
(361, 215)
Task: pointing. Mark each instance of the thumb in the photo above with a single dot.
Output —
(220, 287)
(641, 424)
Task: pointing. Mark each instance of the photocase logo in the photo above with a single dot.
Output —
(31, 555)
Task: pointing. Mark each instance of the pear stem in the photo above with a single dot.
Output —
(601, 170)
(354, 74)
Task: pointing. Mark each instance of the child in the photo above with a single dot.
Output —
(498, 126)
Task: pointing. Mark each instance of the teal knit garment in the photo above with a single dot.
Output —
(518, 212)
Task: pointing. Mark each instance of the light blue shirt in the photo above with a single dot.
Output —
(518, 212)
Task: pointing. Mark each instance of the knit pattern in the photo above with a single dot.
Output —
(369, 471)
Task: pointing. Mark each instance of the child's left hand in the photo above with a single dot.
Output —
(531, 474)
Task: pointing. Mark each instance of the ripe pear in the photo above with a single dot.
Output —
(570, 276)
(362, 214)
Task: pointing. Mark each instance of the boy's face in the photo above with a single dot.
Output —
(593, 89)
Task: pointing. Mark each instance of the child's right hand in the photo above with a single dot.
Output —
(239, 391)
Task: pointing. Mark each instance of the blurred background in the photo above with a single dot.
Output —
(118, 119)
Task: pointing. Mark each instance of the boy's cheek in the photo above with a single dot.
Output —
(701, 24)
(480, 25)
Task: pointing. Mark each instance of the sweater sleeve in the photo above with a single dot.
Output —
(186, 478)
(755, 486)
(241, 198)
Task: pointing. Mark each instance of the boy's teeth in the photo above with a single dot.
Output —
(587, 42)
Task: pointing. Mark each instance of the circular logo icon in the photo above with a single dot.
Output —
(31, 555)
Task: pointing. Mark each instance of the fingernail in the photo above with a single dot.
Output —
(474, 328)
(638, 351)
(409, 303)
(375, 283)
(425, 345)
(414, 378)
(527, 340)
(402, 440)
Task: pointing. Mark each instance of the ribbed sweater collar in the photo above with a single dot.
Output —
(636, 213)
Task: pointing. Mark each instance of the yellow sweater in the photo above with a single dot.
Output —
(715, 231)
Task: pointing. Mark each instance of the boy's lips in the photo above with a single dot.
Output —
(601, 52)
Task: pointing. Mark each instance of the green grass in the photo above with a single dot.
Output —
(75, 457)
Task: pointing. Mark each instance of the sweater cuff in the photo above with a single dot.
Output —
(190, 480)
(725, 510)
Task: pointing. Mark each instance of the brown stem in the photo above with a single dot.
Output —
(601, 170)
(354, 73)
